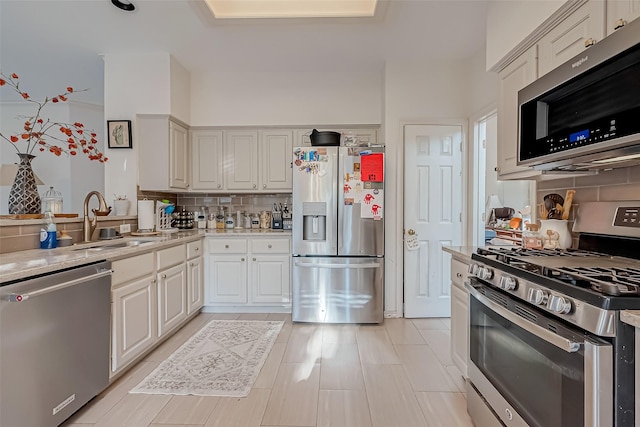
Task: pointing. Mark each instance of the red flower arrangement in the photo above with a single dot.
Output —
(39, 132)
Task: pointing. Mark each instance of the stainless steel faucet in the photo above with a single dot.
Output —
(89, 225)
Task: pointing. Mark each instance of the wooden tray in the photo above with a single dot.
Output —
(22, 216)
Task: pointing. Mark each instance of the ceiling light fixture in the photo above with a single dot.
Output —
(123, 5)
(227, 9)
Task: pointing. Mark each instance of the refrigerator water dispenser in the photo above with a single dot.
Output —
(314, 221)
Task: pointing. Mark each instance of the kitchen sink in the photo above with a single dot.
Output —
(115, 245)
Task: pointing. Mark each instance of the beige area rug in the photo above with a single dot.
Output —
(222, 359)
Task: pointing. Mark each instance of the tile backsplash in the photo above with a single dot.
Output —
(249, 203)
(612, 185)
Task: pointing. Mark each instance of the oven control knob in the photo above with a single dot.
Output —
(473, 269)
(538, 296)
(508, 283)
(559, 304)
(485, 273)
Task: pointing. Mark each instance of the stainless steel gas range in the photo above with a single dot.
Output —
(546, 344)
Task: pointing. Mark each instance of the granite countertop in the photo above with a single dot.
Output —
(462, 253)
(631, 317)
(19, 265)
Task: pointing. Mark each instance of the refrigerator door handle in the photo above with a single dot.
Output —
(337, 266)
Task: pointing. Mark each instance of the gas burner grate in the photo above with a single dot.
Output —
(609, 281)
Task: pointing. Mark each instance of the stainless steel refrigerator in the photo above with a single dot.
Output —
(338, 234)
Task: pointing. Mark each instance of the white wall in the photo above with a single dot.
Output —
(511, 21)
(285, 98)
(180, 89)
(133, 84)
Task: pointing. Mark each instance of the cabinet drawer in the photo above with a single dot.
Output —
(458, 273)
(270, 246)
(228, 246)
(128, 269)
(194, 249)
(171, 256)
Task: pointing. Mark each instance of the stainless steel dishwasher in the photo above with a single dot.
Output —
(54, 344)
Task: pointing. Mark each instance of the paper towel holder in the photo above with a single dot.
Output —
(149, 221)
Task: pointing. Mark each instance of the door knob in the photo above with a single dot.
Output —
(411, 232)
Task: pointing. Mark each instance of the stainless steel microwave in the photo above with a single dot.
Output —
(585, 114)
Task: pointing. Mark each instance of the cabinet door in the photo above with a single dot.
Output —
(241, 153)
(270, 280)
(195, 279)
(570, 37)
(133, 321)
(621, 12)
(206, 160)
(275, 153)
(178, 156)
(459, 328)
(514, 77)
(172, 298)
(226, 279)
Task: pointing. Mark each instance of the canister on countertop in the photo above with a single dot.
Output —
(220, 219)
(255, 220)
(229, 222)
(531, 237)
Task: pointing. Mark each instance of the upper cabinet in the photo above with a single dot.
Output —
(207, 161)
(580, 30)
(514, 77)
(163, 162)
(275, 157)
(241, 158)
(621, 12)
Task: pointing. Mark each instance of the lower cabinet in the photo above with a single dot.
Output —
(248, 274)
(152, 294)
(459, 316)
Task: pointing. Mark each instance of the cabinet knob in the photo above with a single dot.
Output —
(242, 259)
(589, 42)
(269, 246)
(197, 249)
(254, 259)
(619, 24)
(264, 185)
(153, 280)
(497, 169)
(458, 275)
(192, 264)
(219, 185)
(164, 276)
(226, 246)
(254, 186)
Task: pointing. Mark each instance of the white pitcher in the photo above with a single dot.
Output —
(555, 234)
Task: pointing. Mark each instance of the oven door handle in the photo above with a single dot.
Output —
(542, 333)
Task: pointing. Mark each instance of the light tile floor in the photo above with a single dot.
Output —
(396, 374)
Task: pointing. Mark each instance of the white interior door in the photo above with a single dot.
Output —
(433, 209)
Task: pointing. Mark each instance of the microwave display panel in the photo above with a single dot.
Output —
(594, 107)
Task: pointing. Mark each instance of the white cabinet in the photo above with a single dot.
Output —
(276, 154)
(134, 309)
(512, 78)
(248, 274)
(195, 276)
(163, 154)
(226, 267)
(269, 275)
(152, 294)
(621, 12)
(459, 316)
(241, 158)
(207, 161)
(172, 288)
(581, 29)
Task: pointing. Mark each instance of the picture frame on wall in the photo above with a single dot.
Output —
(119, 132)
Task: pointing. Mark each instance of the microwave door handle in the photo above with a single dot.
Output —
(598, 383)
(560, 342)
